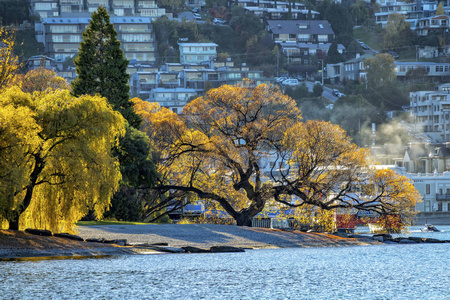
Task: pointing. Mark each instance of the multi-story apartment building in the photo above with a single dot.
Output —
(430, 112)
(410, 10)
(195, 77)
(45, 8)
(62, 36)
(426, 25)
(308, 31)
(439, 72)
(428, 166)
(195, 53)
(278, 10)
(174, 99)
(68, 8)
(300, 39)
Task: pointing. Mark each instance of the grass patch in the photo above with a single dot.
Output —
(97, 223)
(370, 38)
(408, 54)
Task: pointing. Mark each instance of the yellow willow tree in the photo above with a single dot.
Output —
(55, 156)
(243, 148)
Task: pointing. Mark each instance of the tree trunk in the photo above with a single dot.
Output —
(14, 224)
(244, 218)
(38, 167)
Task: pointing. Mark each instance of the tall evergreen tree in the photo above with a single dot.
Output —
(333, 55)
(102, 68)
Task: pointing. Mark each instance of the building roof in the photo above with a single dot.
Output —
(440, 17)
(419, 63)
(174, 90)
(299, 26)
(114, 20)
(321, 46)
(198, 44)
(360, 58)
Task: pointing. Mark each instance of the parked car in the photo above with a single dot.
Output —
(280, 79)
(364, 46)
(219, 21)
(340, 95)
(291, 82)
(317, 82)
(300, 78)
(335, 92)
(394, 54)
(195, 10)
(197, 16)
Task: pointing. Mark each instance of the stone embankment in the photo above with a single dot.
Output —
(171, 238)
(388, 239)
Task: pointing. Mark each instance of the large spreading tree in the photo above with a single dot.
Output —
(102, 68)
(245, 148)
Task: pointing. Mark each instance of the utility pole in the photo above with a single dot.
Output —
(322, 72)
(278, 63)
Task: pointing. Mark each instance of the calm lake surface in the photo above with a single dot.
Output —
(419, 271)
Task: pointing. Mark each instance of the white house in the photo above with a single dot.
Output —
(195, 53)
(174, 99)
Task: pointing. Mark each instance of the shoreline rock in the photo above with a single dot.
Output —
(97, 241)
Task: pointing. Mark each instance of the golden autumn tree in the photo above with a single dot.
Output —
(55, 156)
(39, 80)
(326, 170)
(244, 148)
(9, 62)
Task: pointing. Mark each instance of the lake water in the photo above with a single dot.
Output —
(419, 271)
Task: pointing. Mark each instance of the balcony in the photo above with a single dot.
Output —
(443, 197)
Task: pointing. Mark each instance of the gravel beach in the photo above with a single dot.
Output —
(19, 244)
(208, 235)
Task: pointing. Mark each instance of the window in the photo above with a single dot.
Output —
(303, 37)
(427, 188)
(136, 38)
(43, 6)
(427, 205)
(439, 69)
(119, 11)
(322, 38)
(448, 206)
(63, 29)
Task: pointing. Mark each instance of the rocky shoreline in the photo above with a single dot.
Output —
(97, 241)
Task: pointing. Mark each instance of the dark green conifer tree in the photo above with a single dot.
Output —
(102, 68)
(333, 55)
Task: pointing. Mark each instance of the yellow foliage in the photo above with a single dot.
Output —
(9, 62)
(220, 146)
(39, 80)
(62, 151)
